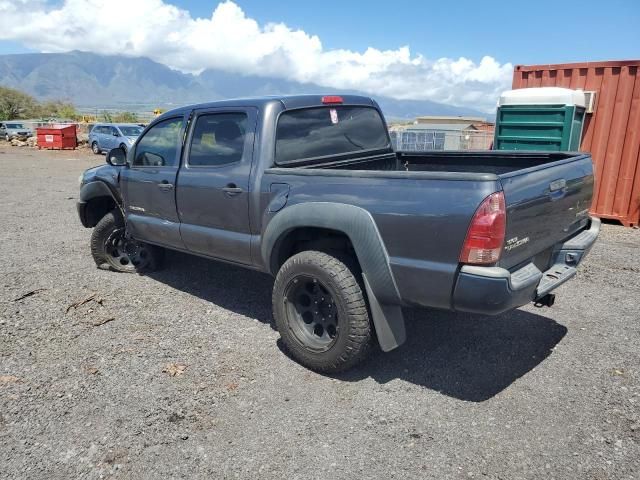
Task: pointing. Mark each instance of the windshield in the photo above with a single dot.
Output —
(333, 130)
(131, 131)
(14, 125)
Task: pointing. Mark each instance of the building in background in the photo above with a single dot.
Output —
(443, 133)
(448, 120)
(611, 127)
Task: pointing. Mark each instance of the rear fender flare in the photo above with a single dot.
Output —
(360, 227)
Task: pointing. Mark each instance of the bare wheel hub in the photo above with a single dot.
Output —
(125, 252)
(311, 313)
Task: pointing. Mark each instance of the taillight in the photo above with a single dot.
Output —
(485, 237)
(332, 99)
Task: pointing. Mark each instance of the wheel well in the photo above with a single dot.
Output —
(97, 208)
(311, 238)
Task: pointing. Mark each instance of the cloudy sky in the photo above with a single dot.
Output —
(461, 53)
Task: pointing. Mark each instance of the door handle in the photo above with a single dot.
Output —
(165, 186)
(232, 189)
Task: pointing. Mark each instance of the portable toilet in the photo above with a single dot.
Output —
(547, 118)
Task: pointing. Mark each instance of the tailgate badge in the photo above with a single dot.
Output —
(515, 242)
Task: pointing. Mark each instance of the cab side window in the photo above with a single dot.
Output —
(218, 139)
(159, 145)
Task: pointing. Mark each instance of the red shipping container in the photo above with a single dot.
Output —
(611, 133)
(57, 137)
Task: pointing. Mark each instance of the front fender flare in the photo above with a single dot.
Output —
(357, 224)
(93, 190)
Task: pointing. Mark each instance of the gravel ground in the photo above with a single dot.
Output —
(180, 375)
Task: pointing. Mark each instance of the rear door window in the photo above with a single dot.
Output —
(218, 139)
(314, 133)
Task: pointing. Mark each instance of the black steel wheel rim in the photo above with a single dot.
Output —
(126, 253)
(312, 314)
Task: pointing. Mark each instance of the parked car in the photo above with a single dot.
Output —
(9, 130)
(105, 136)
(309, 189)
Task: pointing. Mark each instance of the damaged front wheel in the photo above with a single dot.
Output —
(111, 249)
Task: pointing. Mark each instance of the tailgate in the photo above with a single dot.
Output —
(545, 205)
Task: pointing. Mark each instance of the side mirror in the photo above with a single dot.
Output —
(116, 157)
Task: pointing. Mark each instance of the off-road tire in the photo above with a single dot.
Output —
(110, 230)
(95, 148)
(354, 335)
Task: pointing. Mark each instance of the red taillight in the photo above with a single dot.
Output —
(332, 99)
(485, 237)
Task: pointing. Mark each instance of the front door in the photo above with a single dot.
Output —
(148, 184)
(213, 185)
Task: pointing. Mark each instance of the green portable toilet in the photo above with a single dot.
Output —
(547, 118)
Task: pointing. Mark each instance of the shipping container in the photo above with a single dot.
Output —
(611, 127)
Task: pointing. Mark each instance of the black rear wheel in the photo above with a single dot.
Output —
(321, 312)
(95, 148)
(111, 249)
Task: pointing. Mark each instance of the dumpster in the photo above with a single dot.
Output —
(548, 118)
(57, 137)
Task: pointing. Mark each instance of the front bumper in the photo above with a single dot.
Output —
(21, 135)
(493, 290)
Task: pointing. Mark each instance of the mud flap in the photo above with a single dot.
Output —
(388, 321)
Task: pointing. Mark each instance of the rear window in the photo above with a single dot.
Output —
(312, 133)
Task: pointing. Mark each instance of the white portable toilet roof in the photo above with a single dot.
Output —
(543, 96)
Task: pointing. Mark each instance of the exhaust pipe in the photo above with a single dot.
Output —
(545, 301)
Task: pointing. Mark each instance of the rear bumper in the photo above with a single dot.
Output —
(493, 290)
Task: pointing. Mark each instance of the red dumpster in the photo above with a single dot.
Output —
(57, 137)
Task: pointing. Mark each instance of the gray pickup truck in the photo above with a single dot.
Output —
(309, 189)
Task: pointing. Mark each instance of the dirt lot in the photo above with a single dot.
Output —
(88, 391)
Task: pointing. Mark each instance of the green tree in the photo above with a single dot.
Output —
(15, 104)
(58, 109)
(106, 117)
(125, 117)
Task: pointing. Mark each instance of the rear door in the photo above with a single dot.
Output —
(101, 134)
(545, 205)
(213, 184)
(148, 184)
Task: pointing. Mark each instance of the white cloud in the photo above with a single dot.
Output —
(231, 41)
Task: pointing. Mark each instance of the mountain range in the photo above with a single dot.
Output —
(97, 81)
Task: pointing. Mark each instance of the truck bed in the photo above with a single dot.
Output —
(547, 194)
(468, 161)
(498, 162)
